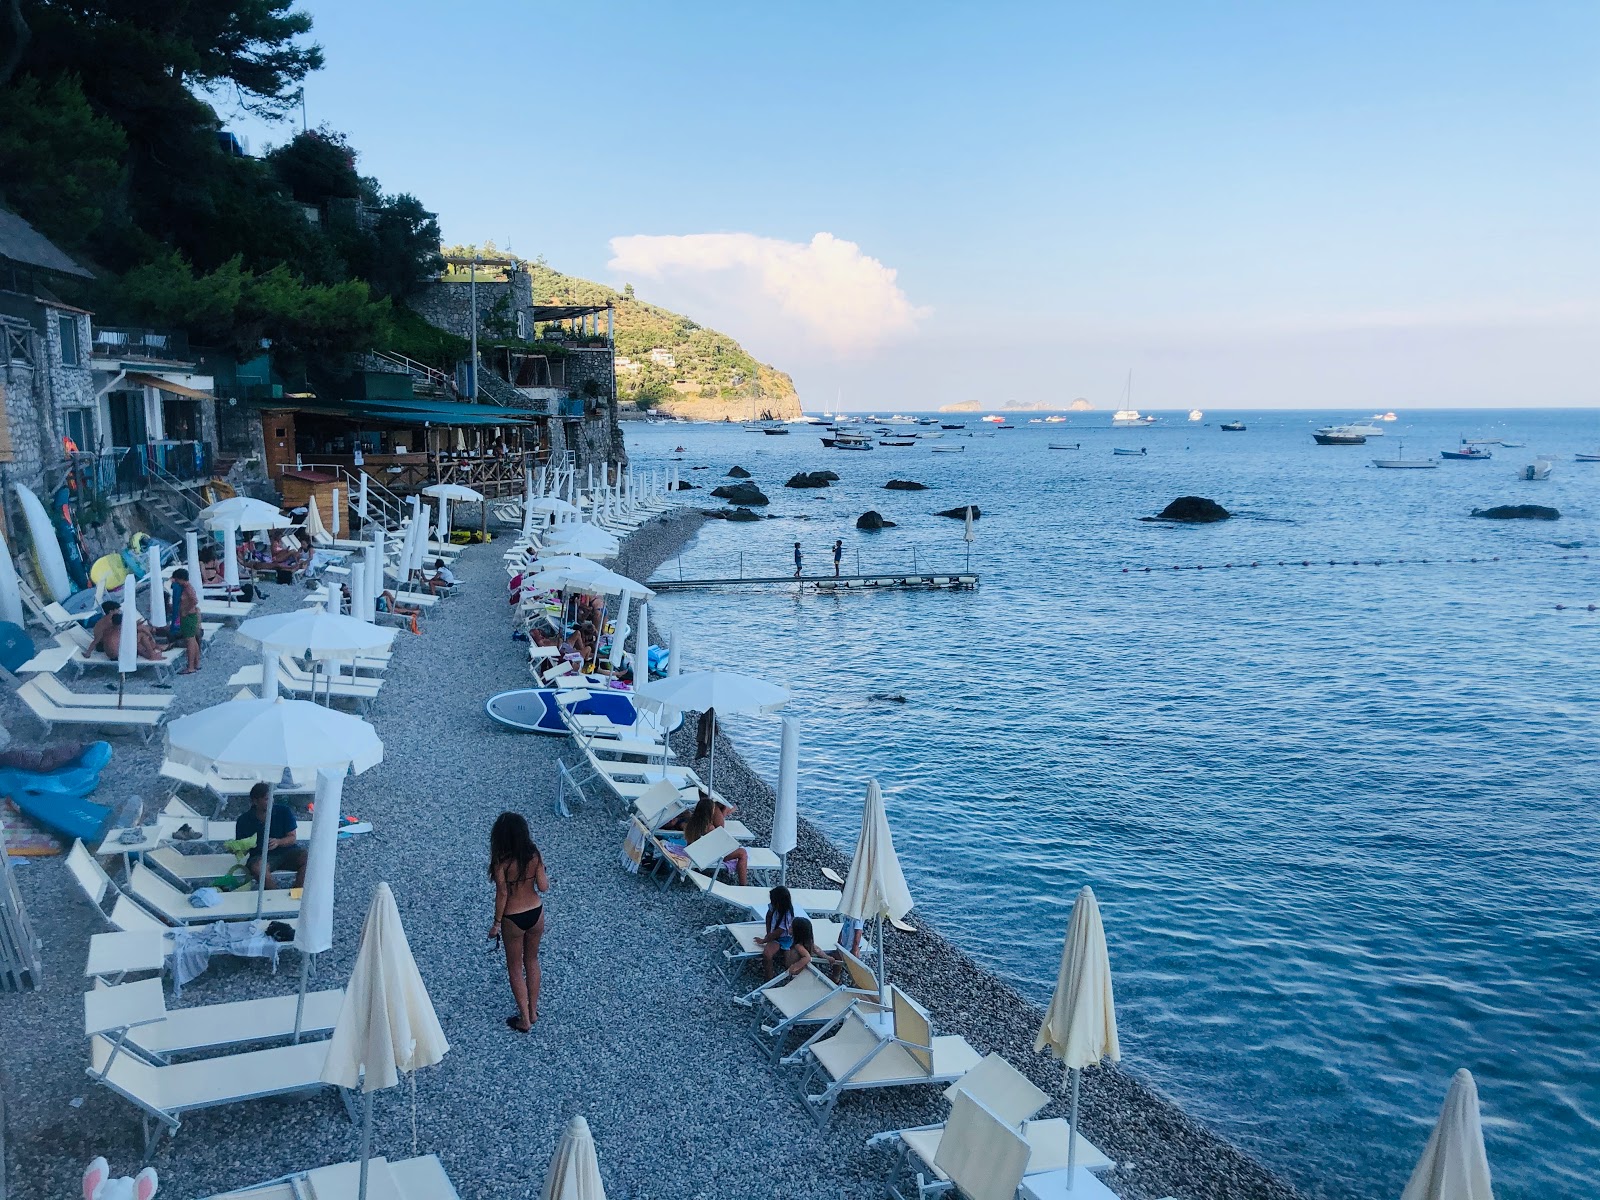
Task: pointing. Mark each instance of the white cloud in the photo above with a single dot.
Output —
(825, 290)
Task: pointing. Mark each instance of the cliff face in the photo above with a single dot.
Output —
(669, 362)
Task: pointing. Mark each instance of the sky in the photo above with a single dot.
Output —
(1245, 205)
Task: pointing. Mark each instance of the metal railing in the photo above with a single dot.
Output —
(151, 345)
(425, 380)
(383, 505)
(125, 473)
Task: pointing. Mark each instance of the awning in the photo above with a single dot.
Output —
(410, 412)
(141, 379)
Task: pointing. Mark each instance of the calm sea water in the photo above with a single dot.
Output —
(1341, 819)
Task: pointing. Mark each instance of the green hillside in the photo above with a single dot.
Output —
(712, 377)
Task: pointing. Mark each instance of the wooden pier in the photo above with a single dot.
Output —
(927, 580)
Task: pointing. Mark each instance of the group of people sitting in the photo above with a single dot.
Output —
(184, 629)
(577, 636)
(789, 943)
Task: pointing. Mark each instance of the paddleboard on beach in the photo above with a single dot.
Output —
(10, 587)
(46, 550)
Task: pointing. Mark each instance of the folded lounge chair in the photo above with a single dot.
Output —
(142, 721)
(810, 998)
(421, 1178)
(135, 1016)
(164, 1093)
(852, 1054)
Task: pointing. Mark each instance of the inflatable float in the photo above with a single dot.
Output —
(52, 568)
(70, 540)
(534, 710)
(58, 799)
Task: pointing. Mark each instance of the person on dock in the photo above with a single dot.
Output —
(520, 883)
(776, 942)
(186, 623)
(838, 554)
(797, 560)
(284, 852)
(708, 815)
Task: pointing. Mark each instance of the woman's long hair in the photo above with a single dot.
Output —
(779, 905)
(803, 933)
(701, 821)
(510, 842)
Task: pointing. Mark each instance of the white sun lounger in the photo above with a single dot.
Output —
(1011, 1097)
(852, 1054)
(47, 613)
(754, 900)
(420, 1178)
(344, 687)
(810, 998)
(47, 661)
(164, 1093)
(142, 721)
(222, 787)
(745, 933)
(136, 1016)
(189, 869)
(173, 906)
(140, 943)
(61, 694)
(711, 852)
(659, 801)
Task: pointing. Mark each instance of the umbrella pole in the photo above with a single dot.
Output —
(366, 1141)
(783, 870)
(1072, 1132)
(261, 845)
(880, 962)
(711, 770)
(300, 1002)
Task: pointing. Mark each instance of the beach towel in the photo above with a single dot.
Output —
(705, 734)
(633, 848)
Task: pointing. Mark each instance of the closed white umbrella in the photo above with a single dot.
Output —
(334, 604)
(1455, 1165)
(361, 499)
(314, 933)
(641, 645)
(230, 561)
(265, 739)
(875, 887)
(785, 812)
(243, 513)
(672, 654)
(128, 646)
(335, 515)
(717, 692)
(387, 1025)
(375, 560)
(191, 550)
(358, 590)
(1080, 1026)
(10, 588)
(575, 1168)
(619, 631)
(158, 596)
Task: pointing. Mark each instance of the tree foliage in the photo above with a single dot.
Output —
(60, 163)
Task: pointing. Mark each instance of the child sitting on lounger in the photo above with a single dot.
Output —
(804, 948)
(778, 939)
(706, 817)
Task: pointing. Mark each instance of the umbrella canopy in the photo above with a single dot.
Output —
(1080, 1026)
(319, 634)
(554, 505)
(591, 578)
(875, 886)
(724, 691)
(243, 513)
(387, 1025)
(453, 491)
(1455, 1165)
(582, 539)
(262, 739)
(314, 932)
(158, 599)
(575, 1169)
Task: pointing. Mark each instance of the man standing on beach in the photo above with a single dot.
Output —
(797, 560)
(838, 553)
(188, 620)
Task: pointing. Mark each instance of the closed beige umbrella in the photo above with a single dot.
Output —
(1455, 1166)
(387, 1025)
(1080, 1026)
(574, 1170)
(875, 886)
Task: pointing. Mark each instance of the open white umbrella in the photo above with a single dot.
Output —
(319, 635)
(875, 887)
(555, 506)
(716, 692)
(785, 812)
(453, 491)
(244, 514)
(1080, 1026)
(574, 1169)
(582, 539)
(1455, 1165)
(266, 739)
(387, 1025)
(594, 579)
(314, 932)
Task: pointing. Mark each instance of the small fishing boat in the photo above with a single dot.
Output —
(952, 426)
(1005, 426)
(947, 449)
(1140, 453)
(1061, 446)
(1405, 464)
(899, 442)
(1538, 469)
(931, 433)
(851, 440)
(775, 429)
(1467, 452)
(1586, 458)
(1233, 426)
(1338, 439)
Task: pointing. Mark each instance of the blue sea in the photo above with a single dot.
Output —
(1341, 817)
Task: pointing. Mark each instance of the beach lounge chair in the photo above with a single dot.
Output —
(47, 661)
(712, 851)
(745, 933)
(810, 998)
(362, 689)
(61, 694)
(1011, 1097)
(754, 900)
(421, 1178)
(222, 787)
(659, 801)
(47, 613)
(164, 1093)
(853, 1053)
(139, 943)
(136, 1017)
(979, 1156)
(173, 906)
(142, 721)
(188, 870)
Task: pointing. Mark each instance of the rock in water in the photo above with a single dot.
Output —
(738, 473)
(743, 514)
(1195, 510)
(960, 514)
(905, 485)
(887, 697)
(873, 519)
(685, 486)
(1518, 512)
(740, 493)
(807, 479)
(830, 476)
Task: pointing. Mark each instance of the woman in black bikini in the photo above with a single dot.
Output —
(517, 869)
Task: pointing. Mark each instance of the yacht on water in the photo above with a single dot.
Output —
(1338, 435)
(995, 420)
(1128, 415)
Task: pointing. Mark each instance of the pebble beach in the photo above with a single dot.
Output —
(636, 1030)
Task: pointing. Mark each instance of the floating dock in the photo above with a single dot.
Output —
(926, 580)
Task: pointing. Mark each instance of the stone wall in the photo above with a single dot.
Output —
(448, 305)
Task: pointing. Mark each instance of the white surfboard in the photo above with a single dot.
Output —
(10, 592)
(46, 550)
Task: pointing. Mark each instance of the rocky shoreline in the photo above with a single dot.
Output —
(1160, 1150)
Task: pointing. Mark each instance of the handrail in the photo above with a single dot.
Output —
(175, 489)
(433, 375)
(390, 507)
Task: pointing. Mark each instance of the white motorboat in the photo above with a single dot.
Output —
(993, 420)
(1539, 468)
(1363, 429)
(1406, 464)
(849, 440)
(1057, 419)
(947, 449)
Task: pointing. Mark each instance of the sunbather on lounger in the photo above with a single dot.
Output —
(388, 603)
(779, 937)
(107, 636)
(803, 950)
(284, 853)
(706, 817)
(517, 869)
